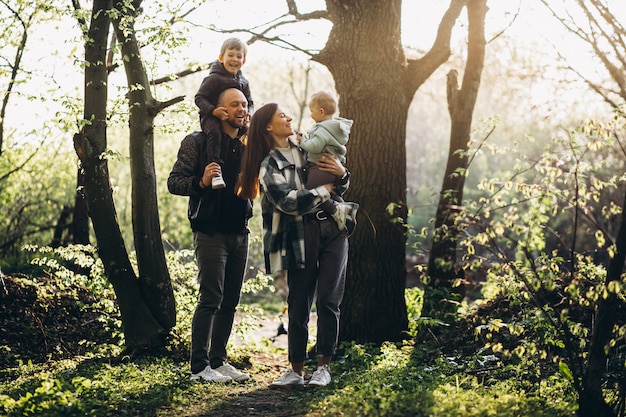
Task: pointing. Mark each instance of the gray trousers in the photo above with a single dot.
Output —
(326, 254)
(221, 260)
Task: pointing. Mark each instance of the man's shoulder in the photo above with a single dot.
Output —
(193, 140)
(196, 136)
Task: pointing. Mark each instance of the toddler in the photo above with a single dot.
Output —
(224, 73)
(328, 134)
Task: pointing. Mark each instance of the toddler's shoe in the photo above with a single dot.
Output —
(345, 216)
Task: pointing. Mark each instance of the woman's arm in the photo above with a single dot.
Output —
(331, 164)
(282, 192)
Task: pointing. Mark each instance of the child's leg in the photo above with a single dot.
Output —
(343, 213)
(315, 178)
(212, 128)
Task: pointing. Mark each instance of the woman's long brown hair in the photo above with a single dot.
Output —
(259, 142)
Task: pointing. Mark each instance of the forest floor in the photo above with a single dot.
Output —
(52, 331)
(54, 351)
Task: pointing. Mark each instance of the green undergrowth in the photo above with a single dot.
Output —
(462, 370)
(393, 380)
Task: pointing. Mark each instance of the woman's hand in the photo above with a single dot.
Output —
(330, 163)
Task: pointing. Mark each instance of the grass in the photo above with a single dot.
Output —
(393, 380)
(81, 375)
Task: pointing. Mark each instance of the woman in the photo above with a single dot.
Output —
(297, 236)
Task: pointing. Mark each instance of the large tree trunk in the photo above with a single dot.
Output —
(376, 86)
(154, 277)
(461, 102)
(140, 328)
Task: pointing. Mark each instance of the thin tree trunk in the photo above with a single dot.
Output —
(140, 328)
(461, 103)
(80, 216)
(154, 276)
(591, 401)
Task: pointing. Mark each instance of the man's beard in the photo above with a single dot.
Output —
(235, 123)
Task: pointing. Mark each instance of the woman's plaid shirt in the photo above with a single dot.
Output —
(284, 201)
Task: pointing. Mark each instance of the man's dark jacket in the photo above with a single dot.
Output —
(210, 210)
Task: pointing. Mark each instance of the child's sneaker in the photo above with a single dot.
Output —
(210, 375)
(345, 216)
(217, 182)
(321, 377)
(288, 380)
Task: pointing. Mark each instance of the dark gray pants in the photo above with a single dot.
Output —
(221, 260)
(326, 252)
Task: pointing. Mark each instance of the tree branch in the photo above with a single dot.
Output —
(262, 32)
(180, 74)
(15, 66)
(420, 69)
(165, 104)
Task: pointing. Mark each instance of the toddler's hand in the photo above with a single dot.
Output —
(221, 113)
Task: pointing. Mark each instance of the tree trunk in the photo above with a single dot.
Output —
(461, 102)
(80, 216)
(61, 227)
(376, 86)
(154, 278)
(591, 401)
(140, 328)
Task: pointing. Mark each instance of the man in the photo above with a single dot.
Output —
(219, 220)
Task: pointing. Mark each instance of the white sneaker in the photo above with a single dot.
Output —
(321, 377)
(210, 375)
(340, 215)
(345, 216)
(229, 370)
(217, 182)
(287, 380)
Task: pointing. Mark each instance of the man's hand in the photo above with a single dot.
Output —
(210, 171)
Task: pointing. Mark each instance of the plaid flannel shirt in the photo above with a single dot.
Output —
(283, 203)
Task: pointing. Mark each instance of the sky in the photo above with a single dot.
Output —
(53, 76)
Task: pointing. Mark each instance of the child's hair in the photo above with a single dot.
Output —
(325, 100)
(234, 43)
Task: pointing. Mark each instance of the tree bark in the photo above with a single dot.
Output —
(591, 401)
(376, 85)
(461, 102)
(139, 326)
(80, 215)
(154, 278)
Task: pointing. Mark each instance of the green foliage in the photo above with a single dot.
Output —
(390, 380)
(543, 237)
(74, 265)
(32, 198)
(414, 298)
(393, 379)
(400, 380)
(92, 389)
